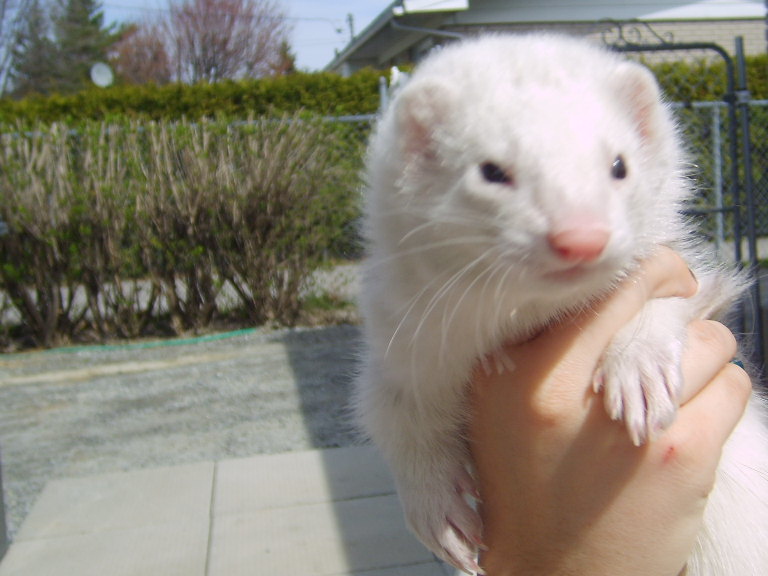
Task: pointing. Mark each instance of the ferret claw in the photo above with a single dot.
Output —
(497, 362)
(468, 565)
(444, 520)
(465, 484)
(640, 385)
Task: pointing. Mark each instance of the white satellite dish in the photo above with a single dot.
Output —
(102, 75)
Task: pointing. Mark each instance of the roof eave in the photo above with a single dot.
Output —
(369, 32)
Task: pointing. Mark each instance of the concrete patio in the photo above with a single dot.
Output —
(326, 512)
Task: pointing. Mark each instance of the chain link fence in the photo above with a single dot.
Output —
(724, 133)
(708, 132)
(697, 84)
(759, 132)
(708, 142)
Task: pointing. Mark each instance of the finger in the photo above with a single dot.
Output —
(709, 417)
(663, 275)
(709, 346)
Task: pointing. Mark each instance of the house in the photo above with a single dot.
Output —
(407, 29)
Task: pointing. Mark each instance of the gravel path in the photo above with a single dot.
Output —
(73, 412)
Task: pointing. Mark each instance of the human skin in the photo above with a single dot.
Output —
(564, 491)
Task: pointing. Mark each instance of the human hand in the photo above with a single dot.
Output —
(564, 490)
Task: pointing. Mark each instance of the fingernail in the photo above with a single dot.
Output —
(696, 280)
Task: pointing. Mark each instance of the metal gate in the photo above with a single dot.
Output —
(717, 132)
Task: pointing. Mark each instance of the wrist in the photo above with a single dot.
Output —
(506, 562)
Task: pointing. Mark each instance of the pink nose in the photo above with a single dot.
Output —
(579, 244)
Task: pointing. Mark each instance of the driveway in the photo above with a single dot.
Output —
(83, 411)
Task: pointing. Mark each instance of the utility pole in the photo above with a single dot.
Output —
(351, 24)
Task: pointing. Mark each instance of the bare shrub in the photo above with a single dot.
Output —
(283, 202)
(114, 230)
(254, 205)
(141, 55)
(39, 266)
(176, 211)
(6, 311)
(121, 301)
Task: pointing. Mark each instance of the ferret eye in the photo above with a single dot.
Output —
(619, 168)
(494, 173)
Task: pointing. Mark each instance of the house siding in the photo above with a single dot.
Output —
(720, 32)
(677, 21)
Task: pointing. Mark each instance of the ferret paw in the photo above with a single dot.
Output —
(641, 384)
(444, 521)
(497, 362)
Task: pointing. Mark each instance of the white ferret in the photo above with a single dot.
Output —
(515, 178)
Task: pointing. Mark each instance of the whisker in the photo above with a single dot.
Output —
(431, 218)
(448, 319)
(498, 296)
(459, 241)
(426, 225)
(442, 292)
(425, 289)
(480, 328)
(491, 267)
(410, 308)
(503, 267)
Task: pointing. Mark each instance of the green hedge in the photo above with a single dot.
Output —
(706, 80)
(321, 93)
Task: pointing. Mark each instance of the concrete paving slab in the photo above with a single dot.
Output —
(178, 496)
(168, 550)
(317, 539)
(429, 569)
(298, 478)
(315, 513)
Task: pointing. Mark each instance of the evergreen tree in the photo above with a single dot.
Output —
(286, 63)
(81, 41)
(34, 54)
(55, 53)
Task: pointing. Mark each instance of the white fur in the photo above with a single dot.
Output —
(457, 265)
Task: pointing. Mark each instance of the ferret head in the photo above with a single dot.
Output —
(553, 159)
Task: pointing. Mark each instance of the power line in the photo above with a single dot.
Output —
(337, 23)
(134, 7)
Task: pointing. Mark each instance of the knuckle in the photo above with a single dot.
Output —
(549, 407)
(714, 336)
(738, 381)
(671, 274)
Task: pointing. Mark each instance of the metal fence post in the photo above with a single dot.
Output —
(3, 528)
(717, 176)
(742, 100)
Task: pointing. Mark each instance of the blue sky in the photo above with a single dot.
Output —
(319, 26)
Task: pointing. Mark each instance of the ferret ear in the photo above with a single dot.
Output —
(421, 109)
(638, 89)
